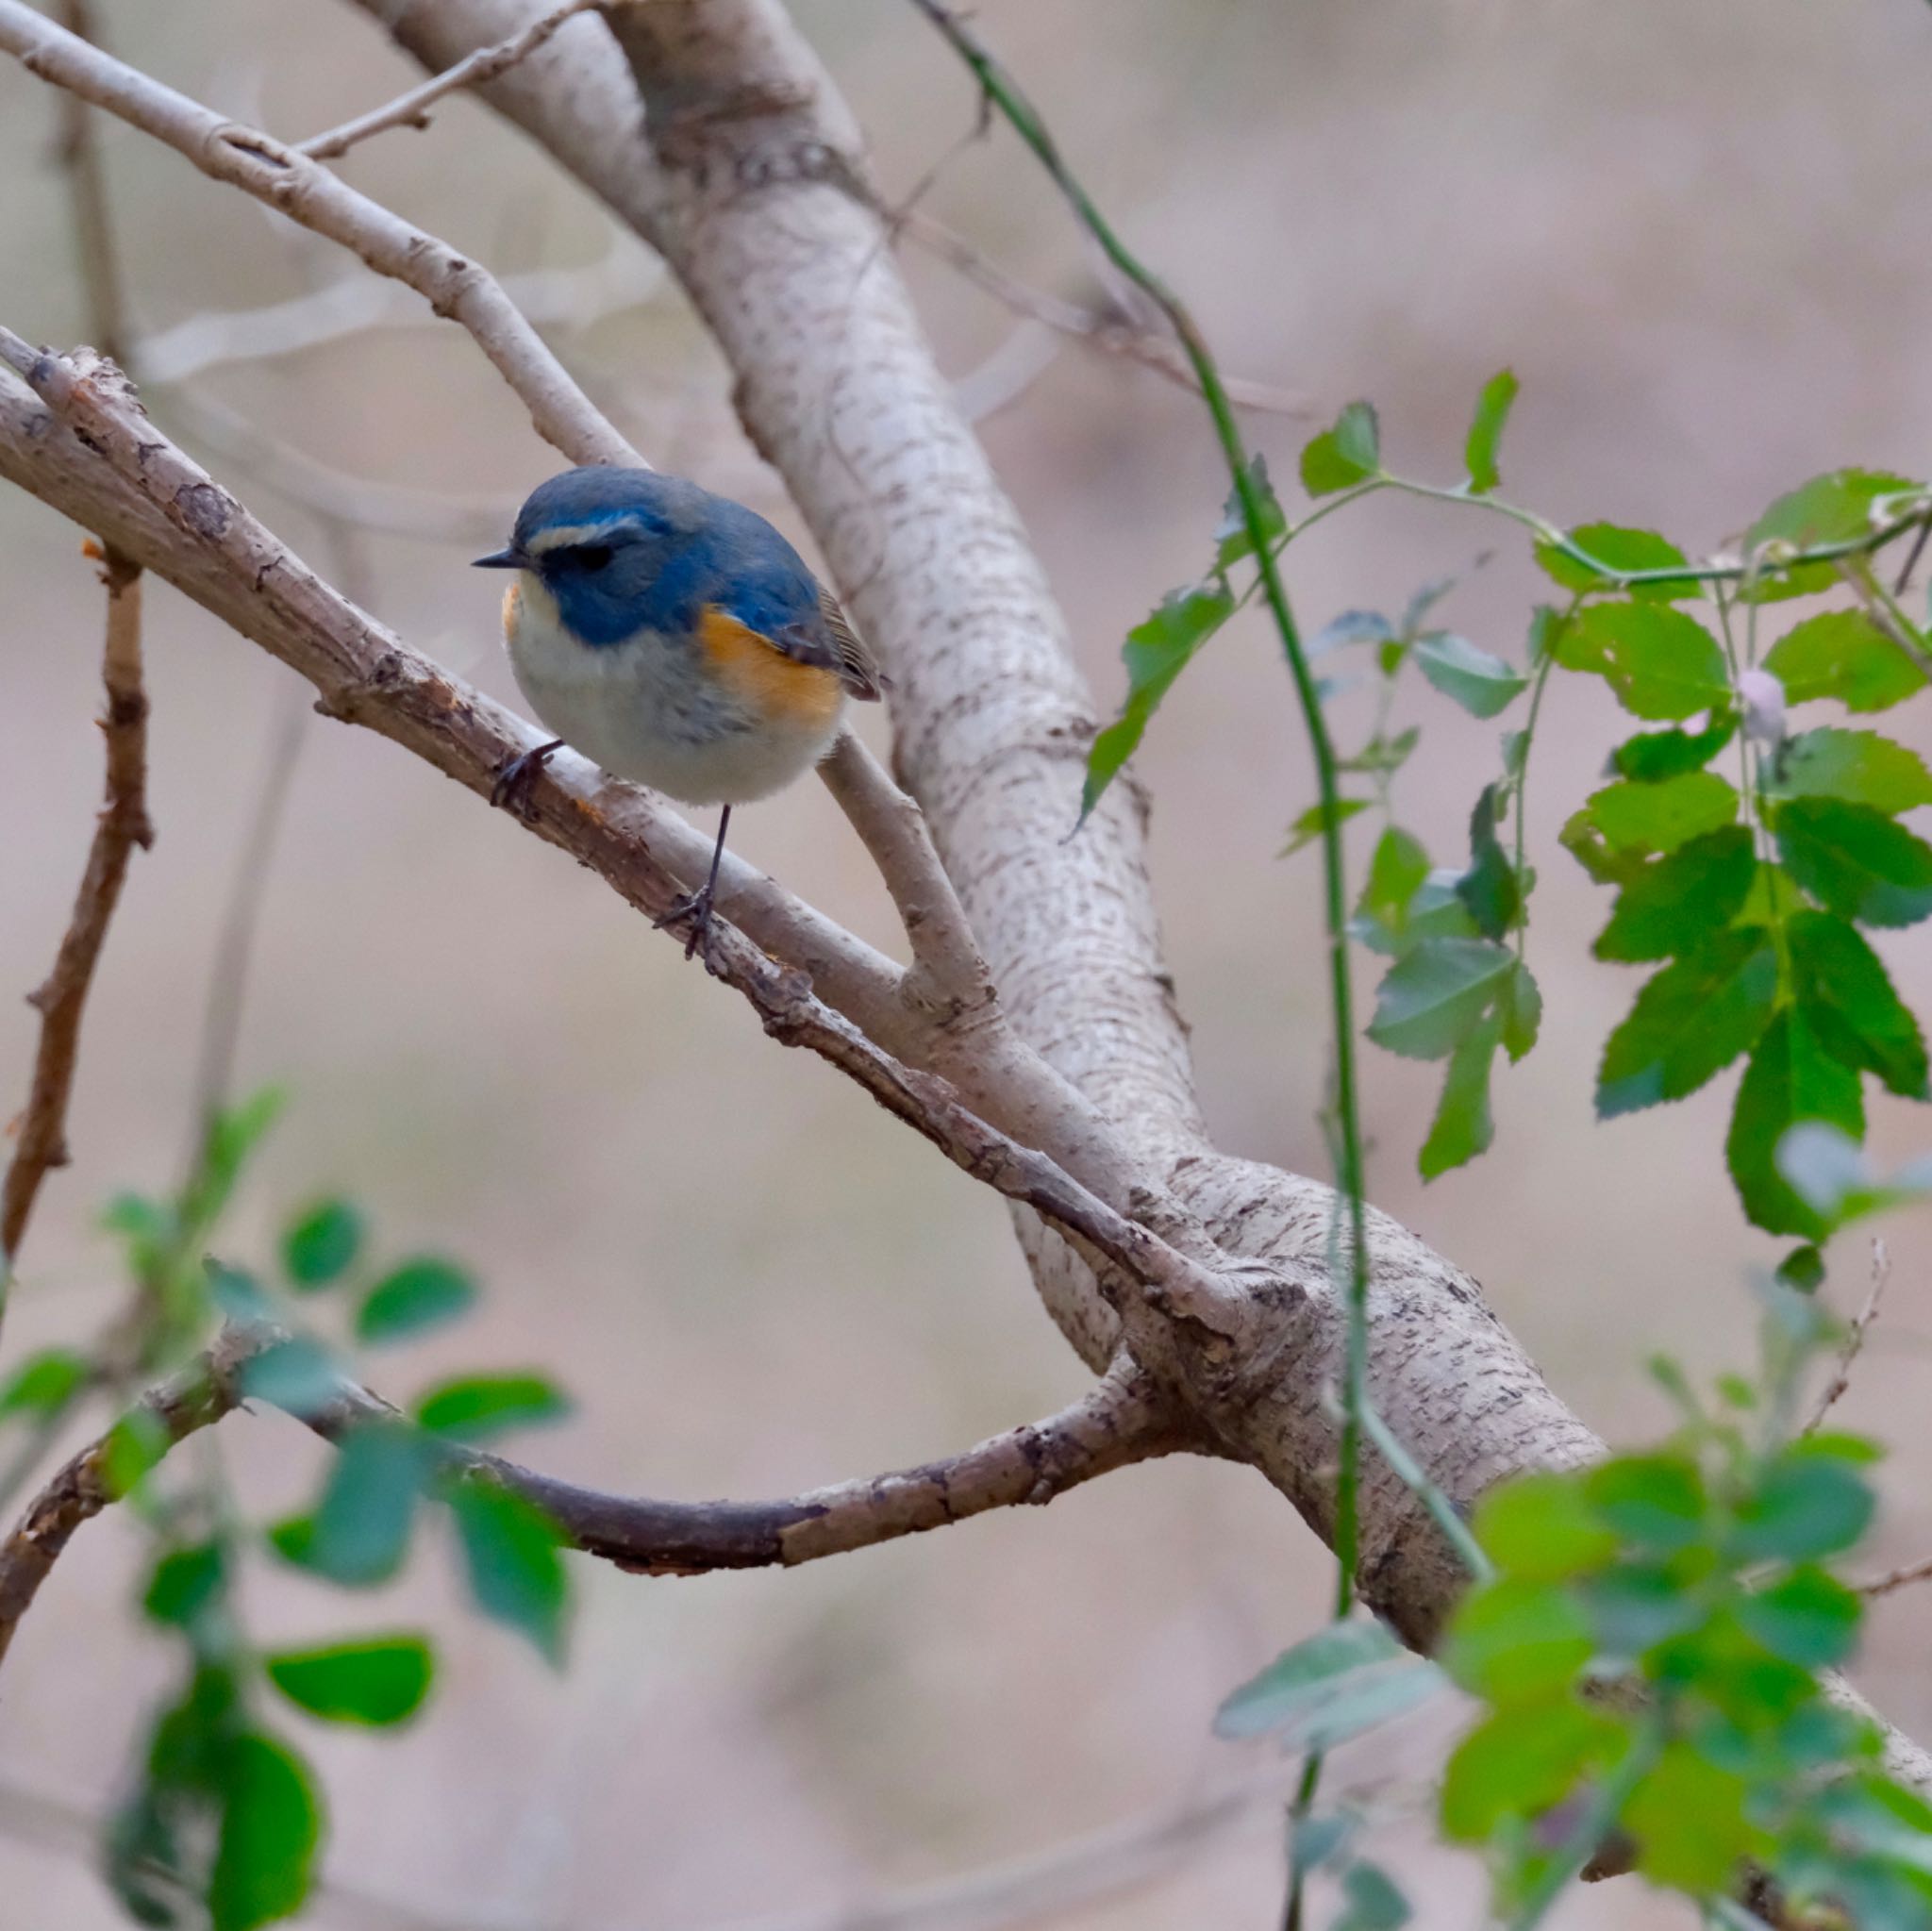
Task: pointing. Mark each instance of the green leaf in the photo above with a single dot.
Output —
(1492, 887)
(1661, 663)
(1521, 1762)
(45, 1382)
(1652, 755)
(1396, 870)
(1635, 1606)
(1312, 823)
(1859, 766)
(1371, 1900)
(1481, 684)
(361, 1528)
(1516, 1641)
(1542, 1526)
(185, 1582)
(1654, 1502)
(1808, 1618)
(1463, 1127)
(511, 1555)
(1351, 627)
(1433, 997)
(477, 1406)
(1842, 654)
(1231, 539)
(1857, 860)
(1850, 1001)
(1486, 431)
(135, 1444)
(1383, 754)
(270, 1825)
(378, 1680)
(1803, 1268)
(232, 1136)
(1348, 454)
(297, 1376)
(1640, 819)
(1832, 508)
(412, 1298)
(1155, 652)
(1523, 1012)
(320, 1245)
(1689, 1022)
(1805, 1506)
(1688, 1818)
(1790, 1077)
(1302, 1676)
(1677, 902)
(1344, 1680)
(237, 1295)
(1618, 550)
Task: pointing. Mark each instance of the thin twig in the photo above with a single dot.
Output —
(409, 109)
(62, 1000)
(309, 194)
(79, 150)
(1856, 572)
(1896, 1578)
(1854, 1338)
(1108, 332)
(948, 967)
(1119, 1422)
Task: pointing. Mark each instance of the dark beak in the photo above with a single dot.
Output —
(511, 558)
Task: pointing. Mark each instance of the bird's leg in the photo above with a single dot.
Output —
(696, 905)
(513, 782)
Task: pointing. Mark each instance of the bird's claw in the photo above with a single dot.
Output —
(511, 789)
(696, 907)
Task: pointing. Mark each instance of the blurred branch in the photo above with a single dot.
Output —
(1071, 1876)
(62, 1000)
(79, 152)
(1854, 1338)
(409, 109)
(1118, 1422)
(354, 303)
(1896, 1578)
(201, 1392)
(309, 194)
(1110, 331)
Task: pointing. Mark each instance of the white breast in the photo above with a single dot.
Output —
(646, 710)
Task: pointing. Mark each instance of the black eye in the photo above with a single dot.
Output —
(592, 556)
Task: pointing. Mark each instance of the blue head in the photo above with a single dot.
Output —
(625, 550)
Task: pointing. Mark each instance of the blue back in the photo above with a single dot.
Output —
(655, 550)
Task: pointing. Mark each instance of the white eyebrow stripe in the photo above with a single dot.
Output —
(566, 536)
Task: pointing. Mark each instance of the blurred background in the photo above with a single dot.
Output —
(1695, 230)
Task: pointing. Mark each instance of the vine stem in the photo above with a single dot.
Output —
(999, 87)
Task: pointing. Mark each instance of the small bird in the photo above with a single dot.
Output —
(677, 638)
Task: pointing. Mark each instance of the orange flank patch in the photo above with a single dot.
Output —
(778, 688)
(512, 602)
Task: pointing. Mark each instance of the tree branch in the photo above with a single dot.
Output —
(307, 192)
(62, 1000)
(410, 109)
(1120, 1421)
(172, 515)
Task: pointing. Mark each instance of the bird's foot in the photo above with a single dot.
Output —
(695, 907)
(513, 782)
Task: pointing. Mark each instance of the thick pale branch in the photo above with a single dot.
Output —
(173, 516)
(307, 192)
(41, 1143)
(1118, 1422)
